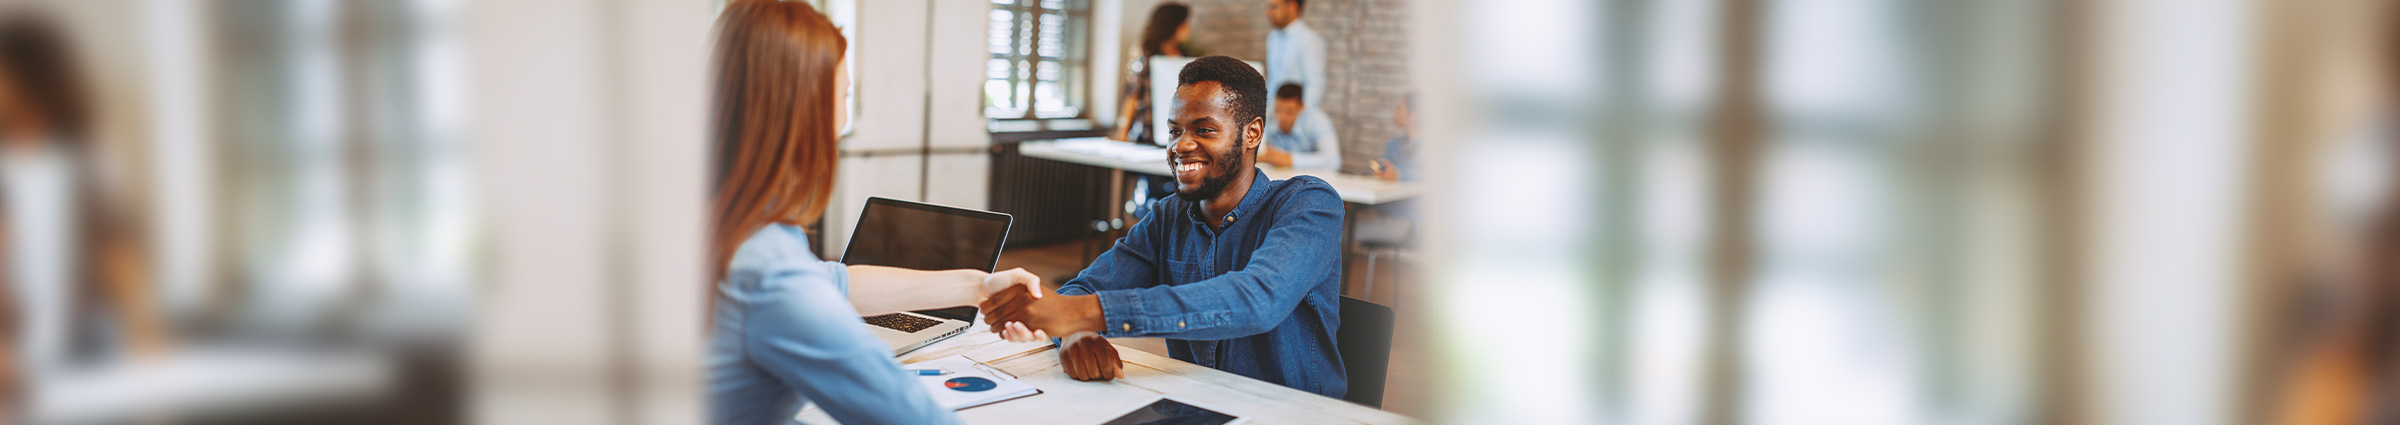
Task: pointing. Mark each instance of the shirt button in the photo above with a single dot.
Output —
(1129, 326)
(1229, 219)
(1178, 323)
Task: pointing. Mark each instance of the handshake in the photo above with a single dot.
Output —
(1027, 315)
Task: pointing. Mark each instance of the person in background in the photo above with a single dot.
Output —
(1391, 224)
(1295, 53)
(1238, 272)
(1170, 25)
(785, 328)
(2338, 361)
(1302, 138)
(78, 295)
(1400, 153)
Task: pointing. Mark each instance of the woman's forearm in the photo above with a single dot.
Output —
(1125, 120)
(878, 290)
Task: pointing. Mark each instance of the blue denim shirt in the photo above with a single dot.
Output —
(785, 335)
(1259, 299)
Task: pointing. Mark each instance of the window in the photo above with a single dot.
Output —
(1037, 63)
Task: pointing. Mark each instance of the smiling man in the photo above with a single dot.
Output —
(1237, 272)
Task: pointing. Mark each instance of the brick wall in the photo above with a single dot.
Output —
(1366, 57)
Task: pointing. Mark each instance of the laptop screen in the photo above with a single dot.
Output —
(922, 236)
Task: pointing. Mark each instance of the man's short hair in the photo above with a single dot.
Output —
(1247, 89)
(1289, 91)
(1299, 5)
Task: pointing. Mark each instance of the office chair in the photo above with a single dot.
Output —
(1365, 341)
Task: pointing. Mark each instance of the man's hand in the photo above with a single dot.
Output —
(1009, 280)
(1059, 315)
(1088, 357)
(1277, 157)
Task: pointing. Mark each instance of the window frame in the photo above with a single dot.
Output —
(1074, 61)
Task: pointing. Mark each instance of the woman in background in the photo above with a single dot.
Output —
(1170, 25)
(786, 329)
(76, 294)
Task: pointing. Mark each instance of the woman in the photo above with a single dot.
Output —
(786, 328)
(70, 265)
(1170, 26)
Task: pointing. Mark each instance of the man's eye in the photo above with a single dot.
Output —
(1205, 131)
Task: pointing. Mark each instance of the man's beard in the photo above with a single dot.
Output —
(1215, 183)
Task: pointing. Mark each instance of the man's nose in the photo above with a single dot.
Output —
(1185, 144)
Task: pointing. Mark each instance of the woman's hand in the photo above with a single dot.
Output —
(1005, 279)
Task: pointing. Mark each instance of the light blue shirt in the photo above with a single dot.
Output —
(1295, 54)
(785, 335)
(1312, 141)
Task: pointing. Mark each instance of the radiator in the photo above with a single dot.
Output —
(1053, 201)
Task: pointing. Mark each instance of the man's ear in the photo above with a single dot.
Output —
(1254, 132)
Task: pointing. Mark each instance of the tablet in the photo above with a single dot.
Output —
(1168, 411)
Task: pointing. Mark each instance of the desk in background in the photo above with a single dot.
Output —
(1152, 160)
(1066, 401)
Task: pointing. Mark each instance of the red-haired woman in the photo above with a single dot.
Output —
(786, 328)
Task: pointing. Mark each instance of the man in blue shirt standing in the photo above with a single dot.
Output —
(1238, 272)
(1295, 53)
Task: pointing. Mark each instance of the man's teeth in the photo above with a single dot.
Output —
(1187, 167)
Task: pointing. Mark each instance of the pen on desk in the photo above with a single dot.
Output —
(931, 372)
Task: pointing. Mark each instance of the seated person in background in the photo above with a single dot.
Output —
(1401, 152)
(1238, 272)
(1303, 138)
(1391, 223)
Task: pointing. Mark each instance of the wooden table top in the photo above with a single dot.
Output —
(1067, 401)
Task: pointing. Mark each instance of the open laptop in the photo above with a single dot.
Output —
(922, 236)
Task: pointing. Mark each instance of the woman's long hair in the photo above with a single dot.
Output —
(1164, 20)
(772, 123)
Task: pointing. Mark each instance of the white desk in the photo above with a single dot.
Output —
(1066, 401)
(1100, 152)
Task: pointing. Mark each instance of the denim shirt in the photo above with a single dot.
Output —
(785, 335)
(1258, 299)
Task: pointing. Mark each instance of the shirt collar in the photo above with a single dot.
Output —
(1250, 201)
(1297, 26)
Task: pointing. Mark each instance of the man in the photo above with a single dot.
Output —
(1295, 54)
(1303, 137)
(1239, 273)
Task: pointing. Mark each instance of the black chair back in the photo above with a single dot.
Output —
(1365, 339)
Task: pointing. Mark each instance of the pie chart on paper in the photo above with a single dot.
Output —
(970, 384)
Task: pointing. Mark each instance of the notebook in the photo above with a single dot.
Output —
(957, 382)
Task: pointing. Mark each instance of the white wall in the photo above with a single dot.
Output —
(881, 156)
(587, 140)
(2174, 121)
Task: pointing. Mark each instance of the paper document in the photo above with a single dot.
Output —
(957, 382)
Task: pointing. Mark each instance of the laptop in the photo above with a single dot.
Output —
(922, 236)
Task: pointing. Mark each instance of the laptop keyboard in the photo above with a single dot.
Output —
(903, 322)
